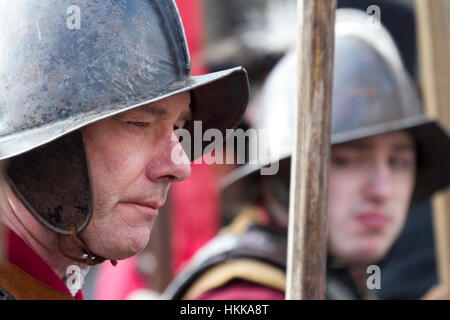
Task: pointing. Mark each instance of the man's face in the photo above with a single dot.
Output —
(131, 167)
(371, 184)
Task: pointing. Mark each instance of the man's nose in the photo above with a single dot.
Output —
(170, 163)
(378, 186)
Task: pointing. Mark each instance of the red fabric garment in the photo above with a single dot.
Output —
(126, 280)
(195, 213)
(191, 12)
(242, 290)
(22, 256)
(195, 202)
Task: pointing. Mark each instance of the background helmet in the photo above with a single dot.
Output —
(63, 67)
(372, 94)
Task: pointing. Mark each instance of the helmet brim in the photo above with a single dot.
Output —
(220, 102)
(433, 173)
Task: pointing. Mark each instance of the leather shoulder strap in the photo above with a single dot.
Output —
(22, 286)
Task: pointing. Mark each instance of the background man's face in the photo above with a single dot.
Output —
(371, 184)
(131, 167)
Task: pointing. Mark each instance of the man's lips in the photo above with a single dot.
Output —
(373, 220)
(146, 207)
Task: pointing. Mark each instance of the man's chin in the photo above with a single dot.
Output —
(121, 249)
(364, 254)
(125, 253)
(369, 255)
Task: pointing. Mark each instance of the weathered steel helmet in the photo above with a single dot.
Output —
(372, 94)
(63, 67)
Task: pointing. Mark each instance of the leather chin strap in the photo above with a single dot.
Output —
(91, 259)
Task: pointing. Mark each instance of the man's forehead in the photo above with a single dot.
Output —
(175, 104)
(399, 140)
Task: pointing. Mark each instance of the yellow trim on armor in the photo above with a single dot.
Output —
(246, 269)
(248, 217)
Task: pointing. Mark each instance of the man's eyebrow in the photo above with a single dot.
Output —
(404, 147)
(357, 145)
(153, 110)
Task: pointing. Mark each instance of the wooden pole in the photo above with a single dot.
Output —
(434, 51)
(307, 234)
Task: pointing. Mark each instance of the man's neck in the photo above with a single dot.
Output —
(42, 240)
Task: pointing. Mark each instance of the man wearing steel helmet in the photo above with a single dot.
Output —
(386, 154)
(87, 130)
